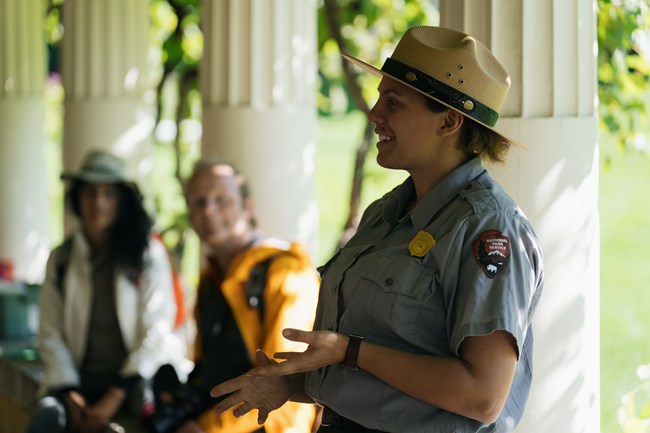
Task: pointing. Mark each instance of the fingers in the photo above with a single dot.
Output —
(245, 407)
(227, 403)
(295, 334)
(227, 387)
(242, 410)
(286, 355)
(262, 359)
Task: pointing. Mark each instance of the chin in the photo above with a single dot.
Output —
(214, 240)
(382, 162)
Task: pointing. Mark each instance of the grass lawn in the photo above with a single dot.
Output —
(625, 277)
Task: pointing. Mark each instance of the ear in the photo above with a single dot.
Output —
(451, 123)
(249, 207)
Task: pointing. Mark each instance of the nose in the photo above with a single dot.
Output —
(374, 116)
(209, 207)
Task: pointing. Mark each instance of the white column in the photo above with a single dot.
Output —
(106, 79)
(24, 237)
(549, 49)
(258, 84)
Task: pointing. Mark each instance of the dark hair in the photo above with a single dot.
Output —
(131, 230)
(476, 139)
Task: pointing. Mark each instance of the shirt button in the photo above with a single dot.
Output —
(389, 281)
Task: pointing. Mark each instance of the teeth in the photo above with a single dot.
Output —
(386, 137)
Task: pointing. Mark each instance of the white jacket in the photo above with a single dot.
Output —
(145, 314)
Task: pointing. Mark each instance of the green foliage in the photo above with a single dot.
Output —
(370, 30)
(624, 73)
(177, 44)
(634, 413)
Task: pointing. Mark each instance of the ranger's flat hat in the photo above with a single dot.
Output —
(451, 68)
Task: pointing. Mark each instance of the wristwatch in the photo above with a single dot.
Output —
(352, 353)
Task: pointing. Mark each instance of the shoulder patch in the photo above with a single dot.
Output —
(491, 251)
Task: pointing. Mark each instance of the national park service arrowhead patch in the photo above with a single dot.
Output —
(491, 251)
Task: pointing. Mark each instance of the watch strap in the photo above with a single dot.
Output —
(350, 362)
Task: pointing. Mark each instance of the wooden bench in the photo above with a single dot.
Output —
(19, 384)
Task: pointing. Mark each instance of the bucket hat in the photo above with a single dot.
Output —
(450, 67)
(101, 167)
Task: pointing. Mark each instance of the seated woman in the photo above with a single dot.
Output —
(106, 309)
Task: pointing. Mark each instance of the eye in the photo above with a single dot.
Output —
(111, 192)
(197, 203)
(223, 200)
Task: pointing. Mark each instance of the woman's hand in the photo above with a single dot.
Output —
(325, 348)
(100, 414)
(75, 404)
(249, 391)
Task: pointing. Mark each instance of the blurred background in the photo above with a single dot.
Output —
(345, 176)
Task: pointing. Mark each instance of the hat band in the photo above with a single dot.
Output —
(442, 92)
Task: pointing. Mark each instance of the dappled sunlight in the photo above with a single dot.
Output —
(308, 160)
(166, 130)
(32, 257)
(131, 79)
(134, 136)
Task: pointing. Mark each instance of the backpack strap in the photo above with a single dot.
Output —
(62, 260)
(256, 283)
(177, 284)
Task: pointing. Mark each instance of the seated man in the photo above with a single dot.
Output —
(250, 289)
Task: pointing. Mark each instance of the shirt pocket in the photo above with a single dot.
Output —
(397, 292)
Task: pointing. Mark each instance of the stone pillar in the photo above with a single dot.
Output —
(106, 78)
(24, 237)
(258, 84)
(548, 49)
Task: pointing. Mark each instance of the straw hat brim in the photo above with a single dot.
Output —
(93, 177)
(102, 178)
(378, 72)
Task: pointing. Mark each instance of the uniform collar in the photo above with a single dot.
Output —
(435, 199)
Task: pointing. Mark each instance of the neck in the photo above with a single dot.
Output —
(427, 176)
(225, 253)
(96, 240)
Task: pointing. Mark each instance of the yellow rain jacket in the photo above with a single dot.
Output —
(289, 301)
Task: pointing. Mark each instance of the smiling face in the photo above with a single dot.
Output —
(407, 129)
(414, 137)
(219, 213)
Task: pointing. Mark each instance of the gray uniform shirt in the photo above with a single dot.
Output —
(481, 272)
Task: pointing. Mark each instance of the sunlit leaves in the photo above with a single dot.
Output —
(370, 29)
(624, 73)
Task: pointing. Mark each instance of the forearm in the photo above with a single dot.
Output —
(111, 401)
(476, 388)
(296, 384)
(442, 382)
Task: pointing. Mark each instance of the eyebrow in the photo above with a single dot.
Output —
(390, 91)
